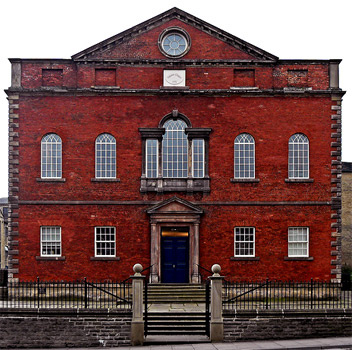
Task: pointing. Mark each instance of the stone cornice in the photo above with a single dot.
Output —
(141, 202)
(110, 91)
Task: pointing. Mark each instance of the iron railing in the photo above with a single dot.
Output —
(59, 294)
(285, 295)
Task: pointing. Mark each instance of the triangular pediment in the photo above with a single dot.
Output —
(175, 205)
(140, 42)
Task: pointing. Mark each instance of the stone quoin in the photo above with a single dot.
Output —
(173, 144)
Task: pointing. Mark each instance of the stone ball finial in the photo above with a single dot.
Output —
(216, 268)
(137, 268)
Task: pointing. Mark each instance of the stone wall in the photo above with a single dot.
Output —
(347, 218)
(269, 325)
(21, 328)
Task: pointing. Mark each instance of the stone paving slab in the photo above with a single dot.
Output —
(340, 343)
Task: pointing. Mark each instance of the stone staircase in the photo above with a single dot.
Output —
(176, 323)
(176, 311)
(176, 293)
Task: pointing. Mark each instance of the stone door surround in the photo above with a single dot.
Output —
(174, 212)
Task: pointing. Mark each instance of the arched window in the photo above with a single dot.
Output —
(298, 157)
(51, 157)
(175, 149)
(244, 157)
(175, 156)
(105, 156)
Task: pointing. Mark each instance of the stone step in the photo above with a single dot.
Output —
(176, 339)
(176, 293)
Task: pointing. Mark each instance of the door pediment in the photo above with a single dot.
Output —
(175, 205)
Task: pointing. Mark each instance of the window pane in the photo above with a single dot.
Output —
(50, 238)
(51, 157)
(298, 241)
(244, 241)
(105, 156)
(174, 144)
(298, 157)
(105, 241)
(151, 158)
(244, 157)
(198, 157)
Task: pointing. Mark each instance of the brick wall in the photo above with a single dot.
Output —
(271, 325)
(64, 328)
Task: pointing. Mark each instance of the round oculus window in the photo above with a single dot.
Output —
(174, 42)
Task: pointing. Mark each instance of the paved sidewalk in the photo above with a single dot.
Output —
(294, 344)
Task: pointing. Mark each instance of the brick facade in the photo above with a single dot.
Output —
(116, 87)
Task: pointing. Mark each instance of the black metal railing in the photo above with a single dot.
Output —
(203, 272)
(285, 295)
(59, 294)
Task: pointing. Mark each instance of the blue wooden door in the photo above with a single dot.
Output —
(174, 259)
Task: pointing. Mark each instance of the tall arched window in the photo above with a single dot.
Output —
(175, 149)
(244, 157)
(105, 156)
(51, 157)
(298, 157)
(175, 156)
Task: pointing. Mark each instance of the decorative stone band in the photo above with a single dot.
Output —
(336, 170)
(13, 184)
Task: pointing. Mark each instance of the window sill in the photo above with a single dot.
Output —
(105, 87)
(174, 87)
(161, 185)
(50, 258)
(297, 258)
(105, 258)
(244, 180)
(299, 180)
(244, 258)
(104, 180)
(50, 180)
(244, 88)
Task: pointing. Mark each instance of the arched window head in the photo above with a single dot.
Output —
(175, 149)
(244, 157)
(298, 157)
(105, 157)
(51, 157)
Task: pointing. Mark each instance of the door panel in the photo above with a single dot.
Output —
(174, 259)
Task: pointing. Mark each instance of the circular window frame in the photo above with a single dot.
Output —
(174, 30)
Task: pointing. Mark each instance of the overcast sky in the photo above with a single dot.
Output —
(308, 29)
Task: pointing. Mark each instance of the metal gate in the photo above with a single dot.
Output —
(207, 308)
(146, 307)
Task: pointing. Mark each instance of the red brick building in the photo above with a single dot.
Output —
(174, 144)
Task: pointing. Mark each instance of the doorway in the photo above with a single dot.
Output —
(175, 255)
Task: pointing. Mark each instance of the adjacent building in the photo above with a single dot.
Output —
(3, 233)
(176, 145)
(347, 214)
